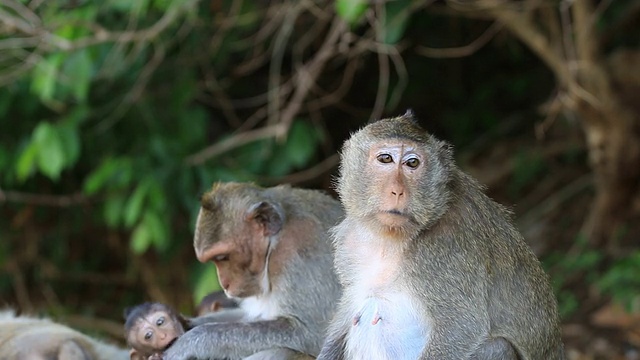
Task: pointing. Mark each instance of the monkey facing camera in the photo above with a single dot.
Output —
(431, 267)
(150, 328)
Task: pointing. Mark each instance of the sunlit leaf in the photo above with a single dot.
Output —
(26, 163)
(78, 71)
(99, 176)
(45, 74)
(133, 208)
(51, 156)
(140, 239)
(351, 10)
(157, 229)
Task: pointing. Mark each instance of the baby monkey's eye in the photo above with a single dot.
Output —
(148, 335)
(385, 158)
(412, 162)
(160, 321)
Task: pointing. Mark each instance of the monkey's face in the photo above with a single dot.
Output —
(154, 332)
(235, 234)
(395, 184)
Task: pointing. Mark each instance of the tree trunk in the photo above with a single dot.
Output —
(614, 153)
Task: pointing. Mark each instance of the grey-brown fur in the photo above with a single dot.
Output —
(479, 288)
(302, 286)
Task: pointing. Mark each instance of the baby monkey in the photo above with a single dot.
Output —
(150, 328)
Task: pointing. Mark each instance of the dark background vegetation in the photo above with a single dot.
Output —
(117, 115)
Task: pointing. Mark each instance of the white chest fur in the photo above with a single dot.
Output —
(260, 307)
(387, 322)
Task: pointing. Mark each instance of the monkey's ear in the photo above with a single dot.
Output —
(269, 215)
(409, 114)
(126, 312)
(135, 355)
(206, 201)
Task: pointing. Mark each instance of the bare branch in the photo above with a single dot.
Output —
(462, 51)
(233, 142)
(308, 74)
(308, 174)
(523, 27)
(43, 199)
(628, 18)
(99, 37)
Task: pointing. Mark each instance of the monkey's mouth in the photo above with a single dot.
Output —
(170, 343)
(393, 217)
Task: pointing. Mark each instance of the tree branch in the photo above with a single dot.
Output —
(43, 199)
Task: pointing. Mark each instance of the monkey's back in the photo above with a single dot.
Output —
(500, 283)
(313, 302)
(23, 337)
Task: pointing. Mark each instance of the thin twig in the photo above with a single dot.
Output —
(43, 199)
(462, 51)
(307, 174)
(233, 142)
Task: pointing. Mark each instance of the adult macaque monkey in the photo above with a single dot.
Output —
(431, 267)
(272, 251)
(29, 338)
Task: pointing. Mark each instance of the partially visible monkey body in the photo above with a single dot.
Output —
(431, 267)
(29, 338)
(215, 302)
(273, 253)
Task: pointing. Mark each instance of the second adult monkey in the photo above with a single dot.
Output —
(431, 267)
(272, 251)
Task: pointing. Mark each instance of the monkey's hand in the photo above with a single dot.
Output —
(234, 340)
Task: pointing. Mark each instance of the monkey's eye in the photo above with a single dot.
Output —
(385, 158)
(222, 257)
(160, 321)
(412, 162)
(148, 335)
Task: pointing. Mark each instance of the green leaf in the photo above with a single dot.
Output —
(351, 10)
(133, 209)
(27, 161)
(113, 209)
(78, 69)
(157, 229)
(51, 156)
(301, 143)
(396, 20)
(45, 75)
(156, 196)
(140, 238)
(206, 282)
(70, 139)
(100, 176)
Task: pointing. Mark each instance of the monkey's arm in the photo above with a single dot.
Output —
(334, 347)
(229, 315)
(236, 339)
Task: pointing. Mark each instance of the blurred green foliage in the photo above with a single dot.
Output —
(107, 113)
